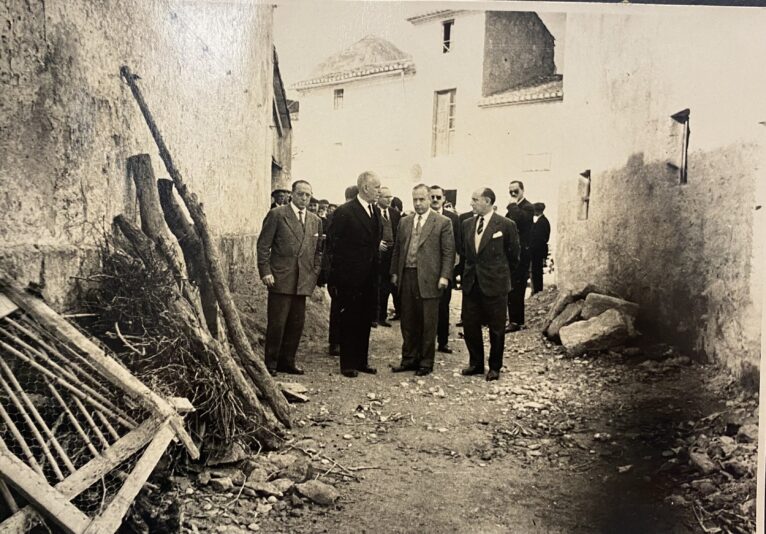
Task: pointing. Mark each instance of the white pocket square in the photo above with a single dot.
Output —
(316, 235)
(497, 234)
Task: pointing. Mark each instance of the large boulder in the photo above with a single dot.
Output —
(568, 296)
(569, 315)
(596, 304)
(602, 332)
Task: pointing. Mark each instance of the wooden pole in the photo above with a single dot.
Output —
(72, 419)
(255, 366)
(20, 440)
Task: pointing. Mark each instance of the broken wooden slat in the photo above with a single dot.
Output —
(7, 307)
(36, 490)
(120, 376)
(20, 440)
(111, 517)
(5, 491)
(27, 518)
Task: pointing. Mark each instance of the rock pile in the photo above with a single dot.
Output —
(587, 319)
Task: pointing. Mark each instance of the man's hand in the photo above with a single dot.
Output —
(383, 246)
(443, 283)
(268, 280)
(394, 279)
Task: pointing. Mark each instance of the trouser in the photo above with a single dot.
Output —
(285, 316)
(418, 323)
(519, 278)
(334, 333)
(479, 309)
(356, 314)
(385, 289)
(442, 328)
(538, 262)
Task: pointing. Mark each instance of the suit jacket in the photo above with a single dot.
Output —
(455, 221)
(354, 241)
(436, 252)
(497, 257)
(395, 217)
(290, 252)
(541, 233)
(523, 215)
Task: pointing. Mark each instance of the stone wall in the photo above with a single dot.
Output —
(68, 122)
(690, 254)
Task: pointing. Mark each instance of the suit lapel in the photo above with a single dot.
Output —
(426, 229)
(489, 229)
(362, 215)
(294, 224)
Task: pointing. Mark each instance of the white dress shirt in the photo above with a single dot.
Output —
(477, 235)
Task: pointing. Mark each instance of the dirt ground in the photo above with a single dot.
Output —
(556, 445)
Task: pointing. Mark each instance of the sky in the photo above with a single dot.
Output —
(306, 32)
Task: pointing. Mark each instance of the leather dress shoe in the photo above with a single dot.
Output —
(403, 368)
(468, 371)
(272, 371)
(374, 324)
(423, 371)
(369, 370)
(385, 323)
(445, 349)
(290, 370)
(350, 373)
(493, 375)
(394, 317)
(512, 327)
(334, 350)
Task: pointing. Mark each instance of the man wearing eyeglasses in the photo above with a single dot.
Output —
(289, 260)
(442, 329)
(522, 212)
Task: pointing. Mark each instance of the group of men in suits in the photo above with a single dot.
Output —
(372, 251)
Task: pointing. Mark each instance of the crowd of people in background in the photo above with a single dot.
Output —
(369, 251)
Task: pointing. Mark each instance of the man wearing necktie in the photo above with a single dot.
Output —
(355, 244)
(289, 260)
(389, 219)
(491, 251)
(421, 266)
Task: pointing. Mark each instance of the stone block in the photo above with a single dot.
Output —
(606, 330)
(569, 315)
(596, 304)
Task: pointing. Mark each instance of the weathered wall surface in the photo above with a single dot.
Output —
(68, 123)
(517, 48)
(690, 255)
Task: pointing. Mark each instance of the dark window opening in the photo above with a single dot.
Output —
(337, 100)
(447, 35)
(680, 134)
(583, 189)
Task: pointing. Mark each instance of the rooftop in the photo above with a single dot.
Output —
(436, 14)
(369, 56)
(541, 89)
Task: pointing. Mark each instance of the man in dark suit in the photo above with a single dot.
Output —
(334, 330)
(355, 244)
(421, 266)
(442, 330)
(289, 260)
(521, 212)
(491, 249)
(279, 197)
(538, 246)
(389, 219)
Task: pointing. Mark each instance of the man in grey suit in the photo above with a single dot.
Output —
(421, 266)
(491, 251)
(289, 261)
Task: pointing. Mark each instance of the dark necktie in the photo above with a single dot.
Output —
(300, 216)
(385, 214)
(369, 207)
(480, 229)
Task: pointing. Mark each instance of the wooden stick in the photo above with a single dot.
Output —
(64, 383)
(38, 419)
(72, 418)
(107, 424)
(9, 500)
(72, 486)
(72, 377)
(107, 367)
(91, 422)
(20, 440)
(255, 366)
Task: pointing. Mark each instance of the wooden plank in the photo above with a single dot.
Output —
(111, 518)
(108, 367)
(27, 518)
(36, 490)
(7, 306)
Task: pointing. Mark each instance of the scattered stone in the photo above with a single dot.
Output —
(600, 332)
(702, 461)
(703, 486)
(747, 433)
(569, 315)
(222, 484)
(203, 478)
(258, 474)
(254, 527)
(736, 468)
(283, 484)
(348, 436)
(298, 471)
(596, 304)
(229, 454)
(267, 489)
(318, 492)
(624, 468)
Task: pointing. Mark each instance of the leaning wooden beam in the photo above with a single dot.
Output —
(116, 373)
(27, 518)
(111, 517)
(36, 490)
(255, 366)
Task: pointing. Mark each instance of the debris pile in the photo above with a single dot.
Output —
(587, 319)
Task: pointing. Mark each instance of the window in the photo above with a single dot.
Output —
(447, 35)
(679, 138)
(337, 99)
(444, 123)
(583, 190)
